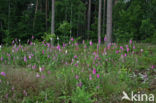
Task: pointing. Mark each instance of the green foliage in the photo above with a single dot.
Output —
(81, 96)
(65, 28)
(48, 37)
(132, 20)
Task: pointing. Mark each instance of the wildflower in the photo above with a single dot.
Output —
(76, 44)
(64, 45)
(77, 77)
(117, 51)
(99, 41)
(105, 38)
(141, 50)
(126, 46)
(58, 47)
(3, 74)
(76, 64)
(42, 51)
(90, 43)
(34, 67)
(130, 41)
(127, 49)
(153, 67)
(121, 47)
(32, 37)
(75, 56)
(97, 75)
(29, 56)
(90, 77)
(72, 39)
(94, 71)
(57, 38)
(133, 47)
(6, 96)
(37, 75)
(25, 59)
(66, 51)
(97, 87)
(79, 84)
(1, 58)
(41, 69)
(12, 88)
(25, 93)
(125, 54)
(43, 76)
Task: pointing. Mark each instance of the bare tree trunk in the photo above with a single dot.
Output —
(109, 21)
(46, 14)
(9, 16)
(115, 2)
(99, 23)
(53, 17)
(35, 14)
(71, 20)
(89, 17)
(104, 14)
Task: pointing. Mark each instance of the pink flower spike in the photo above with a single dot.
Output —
(97, 75)
(75, 56)
(90, 77)
(29, 56)
(1, 58)
(117, 51)
(121, 47)
(58, 47)
(152, 67)
(105, 38)
(94, 71)
(127, 49)
(77, 77)
(42, 51)
(37, 75)
(130, 41)
(90, 43)
(3, 74)
(25, 59)
(72, 39)
(125, 54)
(126, 46)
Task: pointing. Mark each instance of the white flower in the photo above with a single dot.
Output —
(51, 39)
(66, 51)
(57, 38)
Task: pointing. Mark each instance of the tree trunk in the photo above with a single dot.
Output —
(46, 14)
(35, 14)
(71, 20)
(104, 14)
(89, 17)
(115, 2)
(9, 16)
(109, 21)
(53, 17)
(99, 23)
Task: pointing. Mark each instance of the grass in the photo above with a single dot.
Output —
(76, 73)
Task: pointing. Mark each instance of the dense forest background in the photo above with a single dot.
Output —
(22, 19)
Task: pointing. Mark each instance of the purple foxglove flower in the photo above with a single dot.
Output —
(3, 74)
(94, 71)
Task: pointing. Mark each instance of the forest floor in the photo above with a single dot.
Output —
(77, 73)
